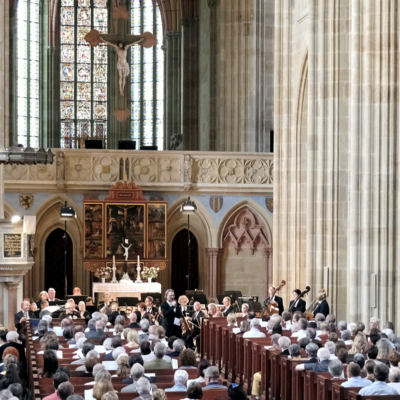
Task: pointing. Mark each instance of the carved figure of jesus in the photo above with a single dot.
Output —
(122, 63)
(126, 254)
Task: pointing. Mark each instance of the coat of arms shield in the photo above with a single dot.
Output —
(26, 200)
(216, 203)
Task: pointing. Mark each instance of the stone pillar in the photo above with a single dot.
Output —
(374, 158)
(268, 257)
(190, 75)
(4, 74)
(13, 306)
(1, 191)
(214, 283)
(173, 91)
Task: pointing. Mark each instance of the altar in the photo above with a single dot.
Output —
(125, 289)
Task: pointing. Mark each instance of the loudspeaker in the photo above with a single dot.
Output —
(127, 144)
(93, 144)
(149, 148)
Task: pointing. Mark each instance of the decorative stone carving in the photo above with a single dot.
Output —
(105, 169)
(78, 168)
(144, 169)
(246, 232)
(42, 172)
(190, 21)
(15, 172)
(212, 4)
(170, 170)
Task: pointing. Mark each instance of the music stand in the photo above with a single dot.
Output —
(57, 303)
(127, 301)
(91, 309)
(220, 297)
(233, 294)
(77, 299)
(198, 295)
(156, 298)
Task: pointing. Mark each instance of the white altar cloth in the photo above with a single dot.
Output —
(126, 289)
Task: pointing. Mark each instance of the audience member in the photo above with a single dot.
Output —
(379, 387)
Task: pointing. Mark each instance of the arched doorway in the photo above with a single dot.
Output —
(185, 262)
(55, 263)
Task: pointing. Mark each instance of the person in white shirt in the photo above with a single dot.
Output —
(354, 378)
(394, 379)
(379, 387)
(331, 347)
(302, 324)
(254, 329)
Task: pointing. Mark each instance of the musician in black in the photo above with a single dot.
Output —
(322, 305)
(195, 325)
(273, 300)
(228, 308)
(183, 306)
(297, 304)
(150, 308)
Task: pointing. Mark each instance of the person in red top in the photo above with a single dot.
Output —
(59, 378)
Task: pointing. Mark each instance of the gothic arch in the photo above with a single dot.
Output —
(9, 211)
(245, 233)
(47, 220)
(203, 228)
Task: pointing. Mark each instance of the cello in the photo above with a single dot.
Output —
(302, 294)
(269, 309)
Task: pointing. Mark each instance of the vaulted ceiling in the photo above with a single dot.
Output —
(172, 12)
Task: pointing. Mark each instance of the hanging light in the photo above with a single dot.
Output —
(15, 218)
(188, 207)
(67, 212)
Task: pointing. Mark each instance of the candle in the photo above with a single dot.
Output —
(113, 261)
(126, 241)
(138, 259)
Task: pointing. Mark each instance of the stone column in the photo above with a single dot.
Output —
(190, 85)
(374, 158)
(4, 74)
(12, 307)
(173, 91)
(268, 257)
(214, 255)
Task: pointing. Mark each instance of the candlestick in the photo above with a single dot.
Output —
(138, 259)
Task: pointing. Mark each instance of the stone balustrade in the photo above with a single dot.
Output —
(94, 170)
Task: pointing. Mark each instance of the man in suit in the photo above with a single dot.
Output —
(196, 320)
(297, 304)
(275, 302)
(284, 342)
(133, 318)
(322, 306)
(151, 309)
(171, 315)
(96, 329)
(52, 295)
(24, 315)
(158, 363)
(228, 308)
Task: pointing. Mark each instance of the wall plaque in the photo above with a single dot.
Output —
(12, 245)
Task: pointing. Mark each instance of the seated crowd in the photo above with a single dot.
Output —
(105, 355)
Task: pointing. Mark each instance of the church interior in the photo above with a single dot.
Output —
(223, 150)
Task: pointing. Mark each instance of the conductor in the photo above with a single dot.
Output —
(171, 315)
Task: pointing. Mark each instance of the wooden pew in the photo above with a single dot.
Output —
(324, 385)
(341, 393)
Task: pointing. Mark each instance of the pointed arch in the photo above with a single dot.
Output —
(9, 210)
(203, 228)
(47, 220)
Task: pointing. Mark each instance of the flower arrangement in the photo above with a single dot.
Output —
(150, 272)
(103, 272)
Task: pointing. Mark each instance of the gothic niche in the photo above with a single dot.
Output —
(244, 231)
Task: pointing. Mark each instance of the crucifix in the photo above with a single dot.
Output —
(121, 42)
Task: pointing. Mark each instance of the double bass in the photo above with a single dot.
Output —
(269, 309)
(309, 314)
(302, 294)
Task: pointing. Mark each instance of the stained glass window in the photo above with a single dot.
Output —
(27, 109)
(83, 73)
(147, 77)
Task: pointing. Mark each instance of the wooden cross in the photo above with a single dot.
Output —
(121, 42)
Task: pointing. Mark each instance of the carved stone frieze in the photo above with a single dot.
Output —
(78, 168)
(245, 231)
(144, 169)
(105, 169)
(177, 170)
(170, 170)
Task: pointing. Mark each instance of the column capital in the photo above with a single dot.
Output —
(214, 251)
(12, 285)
